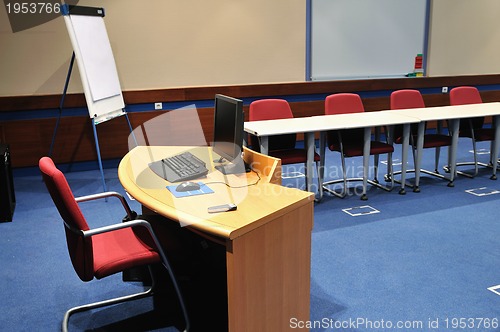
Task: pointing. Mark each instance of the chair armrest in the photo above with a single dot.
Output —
(130, 214)
(114, 227)
(108, 228)
(132, 223)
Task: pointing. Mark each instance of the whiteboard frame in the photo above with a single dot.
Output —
(312, 73)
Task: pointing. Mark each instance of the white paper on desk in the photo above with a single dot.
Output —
(96, 56)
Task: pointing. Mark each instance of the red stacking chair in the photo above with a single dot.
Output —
(101, 252)
(473, 127)
(350, 142)
(280, 146)
(405, 99)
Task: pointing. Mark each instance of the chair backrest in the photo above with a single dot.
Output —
(463, 95)
(403, 99)
(269, 109)
(272, 109)
(342, 103)
(406, 98)
(80, 249)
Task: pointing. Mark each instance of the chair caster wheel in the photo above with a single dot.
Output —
(364, 197)
(416, 190)
(493, 177)
(451, 184)
(402, 191)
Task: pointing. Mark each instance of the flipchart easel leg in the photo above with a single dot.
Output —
(99, 156)
(61, 104)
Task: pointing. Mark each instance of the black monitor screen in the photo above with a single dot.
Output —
(228, 127)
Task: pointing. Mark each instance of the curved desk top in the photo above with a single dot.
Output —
(258, 200)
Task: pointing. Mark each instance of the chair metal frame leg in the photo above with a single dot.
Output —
(475, 163)
(425, 171)
(376, 159)
(436, 159)
(414, 155)
(435, 173)
(95, 305)
(344, 179)
(474, 149)
(468, 163)
(390, 171)
(135, 296)
(163, 257)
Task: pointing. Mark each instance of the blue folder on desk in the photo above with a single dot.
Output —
(204, 189)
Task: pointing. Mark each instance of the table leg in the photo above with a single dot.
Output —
(454, 124)
(366, 160)
(420, 148)
(264, 144)
(321, 175)
(404, 156)
(495, 146)
(309, 142)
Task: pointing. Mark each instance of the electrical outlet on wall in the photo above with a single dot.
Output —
(158, 106)
(444, 89)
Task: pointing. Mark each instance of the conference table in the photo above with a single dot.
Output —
(367, 120)
(267, 239)
(324, 123)
(454, 113)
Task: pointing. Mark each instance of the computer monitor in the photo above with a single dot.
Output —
(228, 133)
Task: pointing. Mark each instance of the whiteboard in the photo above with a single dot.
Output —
(96, 65)
(352, 39)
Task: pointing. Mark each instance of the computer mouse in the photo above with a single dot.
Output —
(187, 186)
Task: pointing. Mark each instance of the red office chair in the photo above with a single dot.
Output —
(473, 127)
(280, 146)
(350, 142)
(404, 99)
(101, 252)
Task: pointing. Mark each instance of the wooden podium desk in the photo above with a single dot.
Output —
(267, 239)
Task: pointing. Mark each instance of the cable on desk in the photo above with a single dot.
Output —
(237, 187)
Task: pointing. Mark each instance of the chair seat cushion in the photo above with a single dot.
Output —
(436, 140)
(356, 150)
(119, 250)
(292, 156)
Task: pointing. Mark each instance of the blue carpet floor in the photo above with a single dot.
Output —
(425, 261)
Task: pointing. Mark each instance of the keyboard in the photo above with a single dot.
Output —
(183, 167)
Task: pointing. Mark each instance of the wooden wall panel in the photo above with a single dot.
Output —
(30, 139)
(16, 103)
